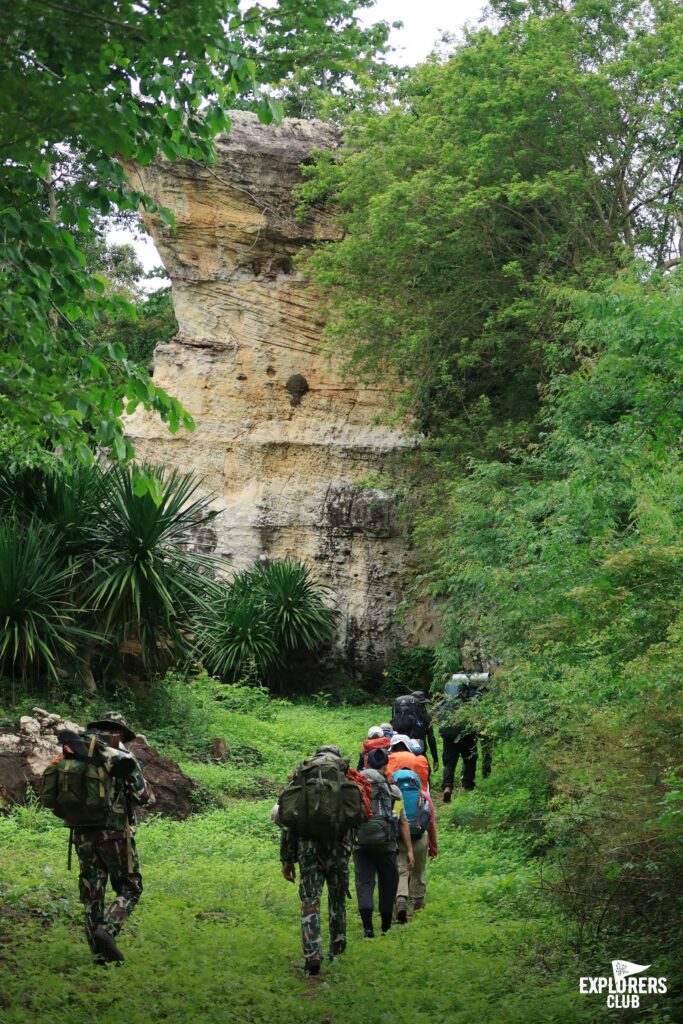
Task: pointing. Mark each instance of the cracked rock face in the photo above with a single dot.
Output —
(283, 439)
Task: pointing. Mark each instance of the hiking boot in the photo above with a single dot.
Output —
(401, 910)
(418, 904)
(369, 933)
(337, 948)
(105, 945)
(312, 965)
(447, 793)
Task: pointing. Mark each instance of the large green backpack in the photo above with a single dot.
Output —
(321, 802)
(79, 793)
(380, 832)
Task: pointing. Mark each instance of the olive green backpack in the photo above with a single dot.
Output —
(321, 802)
(79, 793)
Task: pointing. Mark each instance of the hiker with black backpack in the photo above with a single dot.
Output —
(375, 854)
(93, 787)
(459, 738)
(318, 811)
(411, 718)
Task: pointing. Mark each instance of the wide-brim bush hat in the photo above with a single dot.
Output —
(110, 718)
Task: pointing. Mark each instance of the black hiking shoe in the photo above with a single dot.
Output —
(401, 911)
(337, 948)
(105, 946)
(447, 795)
(369, 933)
(312, 966)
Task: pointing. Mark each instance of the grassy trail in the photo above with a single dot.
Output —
(215, 938)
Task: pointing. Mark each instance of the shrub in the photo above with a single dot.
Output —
(146, 586)
(39, 629)
(252, 630)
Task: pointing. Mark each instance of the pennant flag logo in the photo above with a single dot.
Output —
(624, 969)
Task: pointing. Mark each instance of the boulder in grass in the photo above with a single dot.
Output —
(25, 753)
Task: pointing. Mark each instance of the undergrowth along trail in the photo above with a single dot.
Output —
(216, 935)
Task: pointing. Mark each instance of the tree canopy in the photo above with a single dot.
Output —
(545, 151)
(83, 85)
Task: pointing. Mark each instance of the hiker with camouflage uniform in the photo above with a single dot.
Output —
(323, 803)
(106, 847)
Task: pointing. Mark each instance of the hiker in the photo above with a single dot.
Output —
(459, 739)
(411, 718)
(386, 729)
(376, 846)
(410, 771)
(102, 827)
(323, 803)
(419, 812)
(401, 756)
(376, 740)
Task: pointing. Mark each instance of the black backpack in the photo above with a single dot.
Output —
(408, 717)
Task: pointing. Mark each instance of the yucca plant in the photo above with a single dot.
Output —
(147, 585)
(39, 628)
(68, 498)
(251, 628)
(237, 640)
(293, 603)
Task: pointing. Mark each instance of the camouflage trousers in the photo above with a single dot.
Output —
(102, 856)
(319, 863)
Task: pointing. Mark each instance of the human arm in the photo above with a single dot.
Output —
(433, 850)
(407, 840)
(433, 749)
(288, 849)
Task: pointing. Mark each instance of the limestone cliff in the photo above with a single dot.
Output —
(283, 438)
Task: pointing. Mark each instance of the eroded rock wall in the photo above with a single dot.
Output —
(283, 439)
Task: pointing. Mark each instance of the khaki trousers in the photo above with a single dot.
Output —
(413, 883)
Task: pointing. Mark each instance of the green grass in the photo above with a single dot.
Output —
(216, 936)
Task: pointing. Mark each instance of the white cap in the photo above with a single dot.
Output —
(375, 732)
(398, 737)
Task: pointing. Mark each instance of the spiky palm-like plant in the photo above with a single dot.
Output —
(237, 640)
(252, 627)
(293, 603)
(39, 629)
(147, 585)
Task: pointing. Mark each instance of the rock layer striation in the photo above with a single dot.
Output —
(285, 442)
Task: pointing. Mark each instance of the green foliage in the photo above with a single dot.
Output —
(39, 628)
(217, 875)
(251, 629)
(146, 586)
(85, 92)
(410, 668)
(565, 562)
(94, 563)
(293, 604)
(540, 153)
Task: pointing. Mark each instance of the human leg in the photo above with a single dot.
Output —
(417, 880)
(124, 871)
(337, 877)
(311, 881)
(364, 873)
(450, 761)
(387, 883)
(468, 750)
(92, 881)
